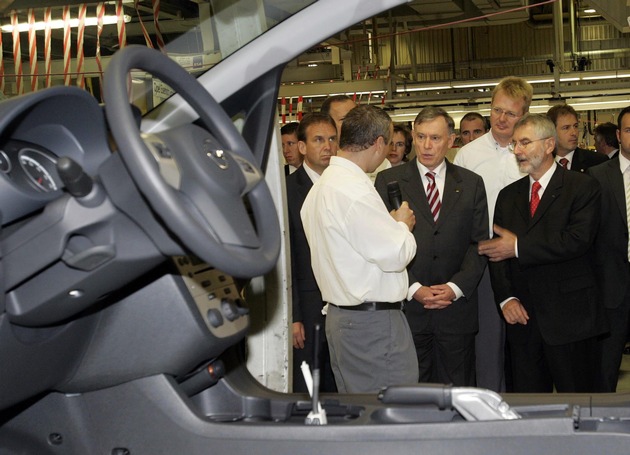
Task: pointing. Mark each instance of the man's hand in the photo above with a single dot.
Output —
(514, 313)
(404, 214)
(501, 247)
(298, 335)
(435, 297)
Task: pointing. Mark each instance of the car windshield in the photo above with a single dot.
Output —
(199, 35)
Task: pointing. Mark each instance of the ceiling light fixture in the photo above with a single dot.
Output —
(59, 23)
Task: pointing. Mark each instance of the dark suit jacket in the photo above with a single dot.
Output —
(307, 299)
(583, 159)
(553, 276)
(447, 250)
(611, 243)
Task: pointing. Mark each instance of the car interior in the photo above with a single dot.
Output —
(126, 243)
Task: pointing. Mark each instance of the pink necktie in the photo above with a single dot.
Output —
(535, 200)
(433, 196)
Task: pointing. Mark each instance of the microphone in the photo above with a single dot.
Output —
(394, 195)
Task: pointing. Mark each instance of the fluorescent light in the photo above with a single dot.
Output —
(423, 89)
(590, 11)
(59, 23)
(590, 78)
(540, 81)
(480, 84)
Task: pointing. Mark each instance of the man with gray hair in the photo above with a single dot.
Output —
(451, 218)
(490, 157)
(541, 265)
(359, 255)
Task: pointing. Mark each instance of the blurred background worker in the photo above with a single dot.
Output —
(472, 126)
(292, 156)
(400, 146)
(606, 141)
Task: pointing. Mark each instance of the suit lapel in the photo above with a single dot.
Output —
(522, 201)
(577, 163)
(552, 192)
(304, 182)
(452, 192)
(615, 177)
(414, 191)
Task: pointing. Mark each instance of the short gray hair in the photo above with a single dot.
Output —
(362, 127)
(431, 113)
(543, 125)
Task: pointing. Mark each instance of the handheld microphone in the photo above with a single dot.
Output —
(394, 195)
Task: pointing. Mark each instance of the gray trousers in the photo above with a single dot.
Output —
(370, 350)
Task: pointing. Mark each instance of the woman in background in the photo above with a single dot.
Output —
(400, 146)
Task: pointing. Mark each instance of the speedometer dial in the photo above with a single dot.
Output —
(38, 169)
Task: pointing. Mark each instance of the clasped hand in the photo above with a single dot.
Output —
(436, 297)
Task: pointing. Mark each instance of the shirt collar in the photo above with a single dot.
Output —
(349, 165)
(439, 171)
(314, 176)
(623, 162)
(544, 180)
(568, 156)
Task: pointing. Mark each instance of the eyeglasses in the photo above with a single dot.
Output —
(509, 114)
(524, 144)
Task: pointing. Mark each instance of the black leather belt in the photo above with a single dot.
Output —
(372, 306)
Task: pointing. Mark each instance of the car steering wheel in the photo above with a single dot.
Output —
(195, 178)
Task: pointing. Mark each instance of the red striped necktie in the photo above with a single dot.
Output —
(433, 196)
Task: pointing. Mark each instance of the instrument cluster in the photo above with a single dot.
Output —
(31, 167)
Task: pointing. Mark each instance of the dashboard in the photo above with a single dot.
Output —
(35, 131)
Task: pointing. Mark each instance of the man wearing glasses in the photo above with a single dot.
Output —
(542, 269)
(490, 157)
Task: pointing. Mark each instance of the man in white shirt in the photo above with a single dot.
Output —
(359, 255)
(490, 157)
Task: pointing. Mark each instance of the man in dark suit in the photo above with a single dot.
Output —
(568, 154)
(444, 274)
(317, 142)
(292, 156)
(606, 141)
(541, 266)
(611, 249)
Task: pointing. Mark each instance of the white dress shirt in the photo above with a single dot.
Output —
(495, 164)
(314, 176)
(359, 253)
